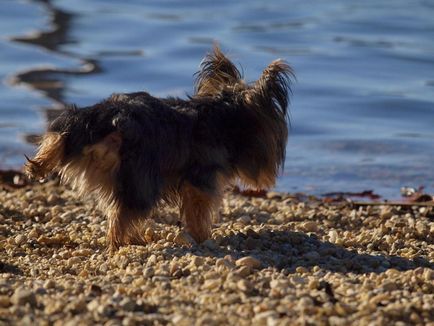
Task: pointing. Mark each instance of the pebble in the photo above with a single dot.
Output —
(309, 226)
(249, 261)
(211, 284)
(279, 284)
(23, 296)
(301, 270)
(5, 302)
(246, 219)
(244, 285)
(243, 271)
(265, 318)
(49, 284)
(198, 261)
(20, 239)
(333, 236)
(183, 238)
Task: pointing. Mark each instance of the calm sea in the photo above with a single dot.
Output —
(363, 106)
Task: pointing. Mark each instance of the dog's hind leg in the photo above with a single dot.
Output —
(125, 228)
(137, 192)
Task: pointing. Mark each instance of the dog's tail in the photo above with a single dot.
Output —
(216, 73)
(48, 158)
(270, 91)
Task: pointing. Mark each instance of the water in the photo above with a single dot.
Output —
(363, 105)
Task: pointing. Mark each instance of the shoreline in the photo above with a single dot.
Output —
(279, 259)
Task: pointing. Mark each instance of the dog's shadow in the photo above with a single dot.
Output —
(287, 250)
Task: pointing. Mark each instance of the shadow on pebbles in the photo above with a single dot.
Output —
(278, 260)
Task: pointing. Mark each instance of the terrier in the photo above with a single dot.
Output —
(137, 151)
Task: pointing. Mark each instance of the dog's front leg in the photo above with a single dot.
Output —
(197, 210)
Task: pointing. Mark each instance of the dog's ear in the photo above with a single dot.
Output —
(271, 89)
(48, 158)
(216, 72)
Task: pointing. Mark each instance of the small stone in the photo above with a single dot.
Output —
(389, 286)
(265, 318)
(184, 239)
(174, 268)
(279, 284)
(428, 275)
(310, 226)
(243, 271)
(313, 284)
(333, 236)
(180, 320)
(67, 216)
(34, 233)
(23, 296)
(378, 298)
(149, 235)
(337, 321)
(211, 284)
(249, 261)
(52, 199)
(170, 237)
(198, 261)
(245, 219)
(244, 285)
(152, 260)
(161, 278)
(76, 306)
(386, 213)
(94, 290)
(298, 280)
(148, 272)
(93, 305)
(224, 262)
(5, 302)
(73, 261)
(301, 270)
(305, 302)
(49, 284)
(127, 304)
(20, 239)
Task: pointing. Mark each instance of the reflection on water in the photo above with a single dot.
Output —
(50, 81)
(60, 22)
(363, 108)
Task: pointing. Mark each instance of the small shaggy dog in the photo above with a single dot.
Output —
(137, 151)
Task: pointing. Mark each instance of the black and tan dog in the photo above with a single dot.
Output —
(137, 151)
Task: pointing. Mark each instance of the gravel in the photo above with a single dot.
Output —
(278, 260)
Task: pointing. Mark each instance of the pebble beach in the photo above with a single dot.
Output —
(278, 259)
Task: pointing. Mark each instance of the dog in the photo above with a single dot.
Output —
(136, 151)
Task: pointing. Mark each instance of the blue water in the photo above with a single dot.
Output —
(363, 106)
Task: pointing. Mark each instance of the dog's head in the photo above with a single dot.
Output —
(267, 99)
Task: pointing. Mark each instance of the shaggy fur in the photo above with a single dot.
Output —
(136, 151)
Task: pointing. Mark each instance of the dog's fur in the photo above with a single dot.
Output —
(136, 151)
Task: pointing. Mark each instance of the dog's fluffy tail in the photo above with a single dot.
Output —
(49, 157)
(216, 74)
